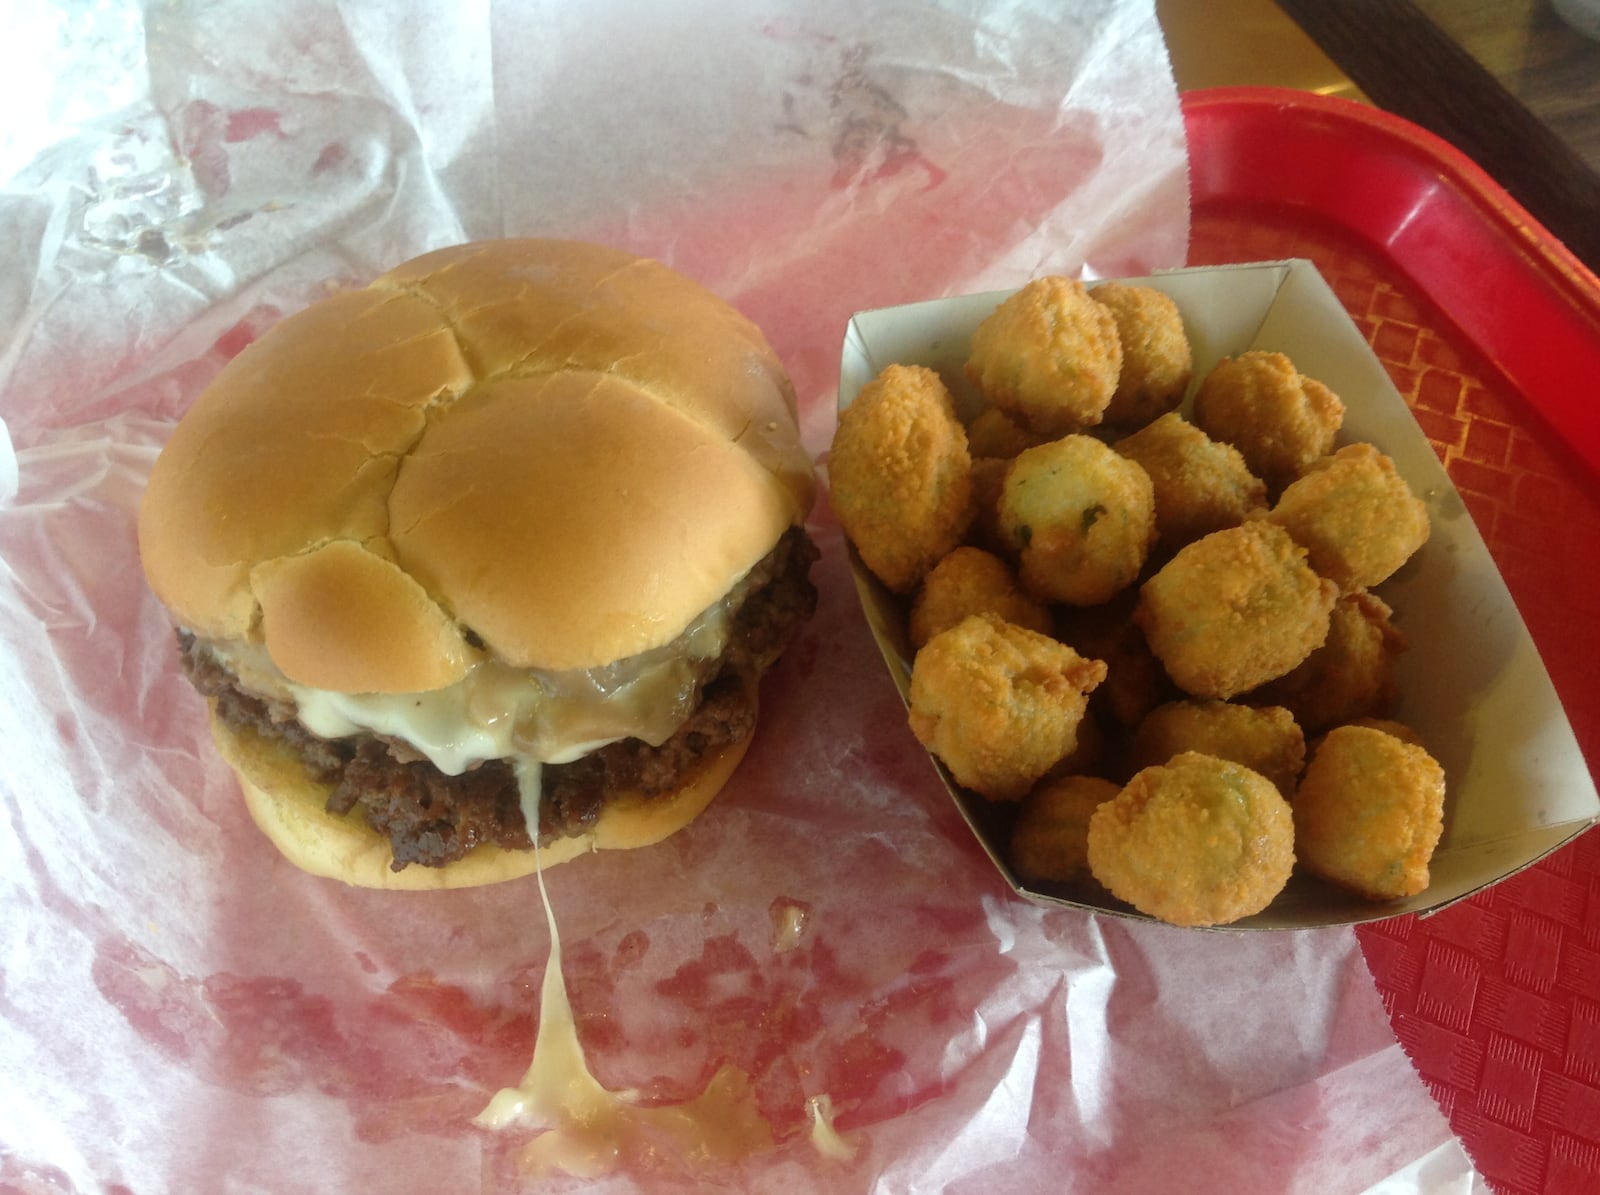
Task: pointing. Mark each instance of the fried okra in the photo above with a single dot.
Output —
(1135, 681)
(1201, 485)
(1234, 610)
(1049, 355)
(992, 432)
(1389, 726)
(1157, 362)
(988, 479)
(1050, 839)
(1278, 419)
(1369, 812)
(1195, 841)
(1080, 518)
(900, 475)
(972, 581)
(1265, 739)
(1355, 516)
(1351, 675)
(999, 704)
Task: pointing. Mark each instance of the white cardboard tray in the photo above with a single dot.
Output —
(1471, 682)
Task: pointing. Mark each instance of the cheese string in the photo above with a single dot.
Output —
(558, 1093)
(585, 1129)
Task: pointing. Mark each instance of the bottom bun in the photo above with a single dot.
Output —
(290, 808)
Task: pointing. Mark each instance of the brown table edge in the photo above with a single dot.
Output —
(1406, 64)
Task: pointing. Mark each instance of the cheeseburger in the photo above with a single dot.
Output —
(509, 535)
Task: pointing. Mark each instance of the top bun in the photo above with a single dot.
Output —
(552, 452)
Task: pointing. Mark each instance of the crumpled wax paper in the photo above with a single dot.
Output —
(183, 1011)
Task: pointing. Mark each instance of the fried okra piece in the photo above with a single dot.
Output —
(1355, 516)
(1279, 420)
(1157, 362)
(1351, 675)
(1135, 680)
(900, 475)
(988, 479)
(972, 581)
(1049, 355)
(1201, 485)
(1050, 839)
(1234, 610)
(1195, 841)
(1369, 812)
(993, 432)
(1093, 750)
(1265, 739)
(1080, 518)
(1389, 726)
(999, 704)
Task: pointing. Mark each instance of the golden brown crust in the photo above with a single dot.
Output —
(1080, 519)
(972, 581)
(900, 474)
(1265, 739)
(999, 704)
(289, 806)
(1195, 841)
(1280, 420)
(1157, 361)
(1355, 516)
(1369, 812)
(1050, 838)
(386, 426)
(1351, 676)
(1234, 610)
(1201, 485)
(1048, 354)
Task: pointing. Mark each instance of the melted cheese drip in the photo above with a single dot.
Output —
(788, 925)
(824, 1136)
(586, 1130)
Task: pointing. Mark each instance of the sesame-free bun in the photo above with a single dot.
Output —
(382, 486)
(290, 808)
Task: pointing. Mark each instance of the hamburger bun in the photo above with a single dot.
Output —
(540, 455)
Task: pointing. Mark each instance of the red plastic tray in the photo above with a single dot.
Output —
(1491, 330)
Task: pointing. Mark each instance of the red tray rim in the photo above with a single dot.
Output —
(1514, 290)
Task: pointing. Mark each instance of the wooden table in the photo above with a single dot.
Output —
(1505, 81)
(1536, 56)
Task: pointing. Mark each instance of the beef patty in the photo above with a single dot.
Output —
(431, 818)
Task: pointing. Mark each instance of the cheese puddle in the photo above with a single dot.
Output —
(586, 1130)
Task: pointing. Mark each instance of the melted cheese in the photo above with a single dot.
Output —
(500, 712)
(586, 1130)
(824, 1137)
(788, 926)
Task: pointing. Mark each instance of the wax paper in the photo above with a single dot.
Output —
(183, 1011)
